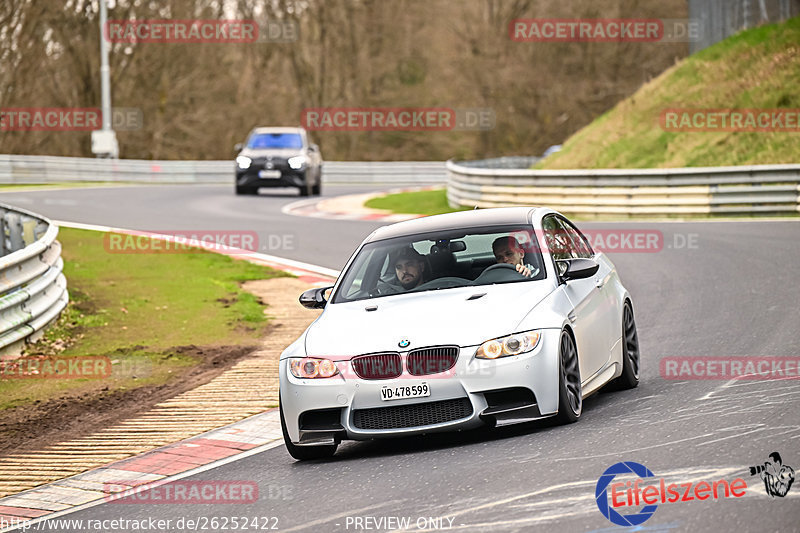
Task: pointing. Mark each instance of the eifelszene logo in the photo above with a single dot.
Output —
(632, 494)
(777, 477)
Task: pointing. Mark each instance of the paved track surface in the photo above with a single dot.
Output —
(734, 293)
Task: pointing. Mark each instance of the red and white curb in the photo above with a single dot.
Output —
(350, 207)
(172, 462)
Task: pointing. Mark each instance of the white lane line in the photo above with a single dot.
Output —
(291, 263)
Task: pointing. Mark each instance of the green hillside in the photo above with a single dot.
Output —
(756, 69)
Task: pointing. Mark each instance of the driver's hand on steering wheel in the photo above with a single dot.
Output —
(524, 270)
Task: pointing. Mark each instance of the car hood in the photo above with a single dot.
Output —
(274, 152)
(425, 319)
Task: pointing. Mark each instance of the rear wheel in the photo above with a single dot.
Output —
(630, 351)
(305, 453)
(570, 400)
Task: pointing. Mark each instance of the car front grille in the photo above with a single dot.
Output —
(431, 360)
(378, 366)
(414, 415)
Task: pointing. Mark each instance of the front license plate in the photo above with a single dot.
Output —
(401, 392)
(269, 174)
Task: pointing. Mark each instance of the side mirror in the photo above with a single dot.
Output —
(238, 147)
(313, 148)
(577, 268)
(314, 298)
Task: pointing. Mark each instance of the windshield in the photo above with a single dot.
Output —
(275, 140)
(442, 260)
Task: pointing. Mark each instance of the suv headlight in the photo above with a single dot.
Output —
(243, 162)
(311, 367)
(297, 162)
(509, 345)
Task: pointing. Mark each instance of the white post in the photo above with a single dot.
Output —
(104, 141)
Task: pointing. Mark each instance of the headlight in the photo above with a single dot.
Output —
(308, 368)
(243, 161)
(511, 345)
(297, 162)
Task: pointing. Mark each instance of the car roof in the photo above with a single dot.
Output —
(499, 216)
(278, 129)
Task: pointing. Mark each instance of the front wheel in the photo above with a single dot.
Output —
(305, 453)
(570, 399)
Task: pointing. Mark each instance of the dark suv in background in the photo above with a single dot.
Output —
(278, 157)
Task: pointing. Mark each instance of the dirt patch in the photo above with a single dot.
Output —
(79, 413)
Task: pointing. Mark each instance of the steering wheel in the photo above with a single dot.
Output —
(498, 266)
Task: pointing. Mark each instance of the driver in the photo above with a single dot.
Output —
(409, 266)
(508, 250)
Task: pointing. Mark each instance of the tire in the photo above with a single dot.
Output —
(629, 378)
(245, 190)
(305, 190)
(570, 401)
(316, 190)
(305, 453)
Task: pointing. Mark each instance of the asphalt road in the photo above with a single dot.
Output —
(204, 208)
(715, 289)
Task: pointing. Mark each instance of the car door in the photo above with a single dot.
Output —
(583, 295)
(608, 316)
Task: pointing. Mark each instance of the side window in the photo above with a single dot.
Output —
(358, 279)
(580, 246)
(557, 240)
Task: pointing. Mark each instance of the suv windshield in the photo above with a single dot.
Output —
(275, 140)
(442, 260)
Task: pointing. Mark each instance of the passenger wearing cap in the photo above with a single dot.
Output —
(409, 265)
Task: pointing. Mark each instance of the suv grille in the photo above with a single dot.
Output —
(414, 415)
(431, 360)
(378, 366)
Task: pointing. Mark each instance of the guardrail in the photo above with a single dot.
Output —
(53, 169)
(33, 290)
(744, 190)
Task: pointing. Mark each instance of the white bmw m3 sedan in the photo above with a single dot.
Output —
(485, 317)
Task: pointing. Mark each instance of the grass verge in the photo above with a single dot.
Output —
(755, 69)
(153, 315)
(431, 202)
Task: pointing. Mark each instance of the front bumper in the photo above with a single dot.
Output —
(288, 177)
(473, 393)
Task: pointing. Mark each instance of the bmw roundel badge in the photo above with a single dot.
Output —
(404, 343)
